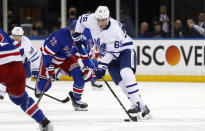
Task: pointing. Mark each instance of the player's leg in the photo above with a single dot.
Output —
(114, 71)
(72, 67)
(15, 84)
(127, 69)
(27, 67)
(42, 81)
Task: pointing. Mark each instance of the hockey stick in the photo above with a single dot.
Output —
(133, 118)
(62, 101)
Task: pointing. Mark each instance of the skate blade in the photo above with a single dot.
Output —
(80, 109)
(146, 117)
(139, 116)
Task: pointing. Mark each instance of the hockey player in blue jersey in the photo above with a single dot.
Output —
(58, 52)
(118, 55)
(13, 76)
(90, 48)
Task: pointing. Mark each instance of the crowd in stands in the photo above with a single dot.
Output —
(160, 27)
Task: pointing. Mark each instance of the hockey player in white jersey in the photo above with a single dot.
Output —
(31, 59)
(31, 55)
(118, 55)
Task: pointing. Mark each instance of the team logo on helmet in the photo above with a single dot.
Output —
(1, 38)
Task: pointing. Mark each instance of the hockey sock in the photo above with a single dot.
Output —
(28, 105)
(129, 80)
(123, 87)
(78, 83)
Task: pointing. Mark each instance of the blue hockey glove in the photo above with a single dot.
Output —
(50, 72)
(99, 72)
(79, 39)
(34, 74)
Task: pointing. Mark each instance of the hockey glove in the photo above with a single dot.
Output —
(79, 39)
(50, 72)
(34, 74)
(88, 74)
(101, 70)
(100, 73)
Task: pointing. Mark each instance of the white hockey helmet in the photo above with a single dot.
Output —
(102, 12)
(17, 31)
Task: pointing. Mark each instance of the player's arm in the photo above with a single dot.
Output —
(50, 48)
(32, 55)
(80, 39)
(16, 43)
(103, 64)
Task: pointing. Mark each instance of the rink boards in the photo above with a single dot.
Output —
(177, 60)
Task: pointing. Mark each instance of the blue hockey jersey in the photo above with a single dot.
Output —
(59, 46)
(9, 50)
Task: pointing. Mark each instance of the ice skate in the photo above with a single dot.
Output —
(146, 113)
(78, 105)
(143, 113)
(46, 125)
(134, 108)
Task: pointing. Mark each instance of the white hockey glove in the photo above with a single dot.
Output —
(50, 72)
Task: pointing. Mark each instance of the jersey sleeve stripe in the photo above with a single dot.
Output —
(10, 54)
(47, 51)
(18, 44)
(35, 59)
(128, 43)
(57, 59)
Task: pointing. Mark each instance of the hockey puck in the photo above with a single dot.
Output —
(126, 120)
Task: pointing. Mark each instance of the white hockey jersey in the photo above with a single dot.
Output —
(110, 40)
(30, 53)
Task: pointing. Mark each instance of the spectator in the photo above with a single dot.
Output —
(192, 33)
(158, 32)
(38, 29)
(127, 23)
(72, 15)
(195, 27)
(11, 22)
(178, 31)
(163, 17)
(144, 32)
(201, 20)
(29, 20)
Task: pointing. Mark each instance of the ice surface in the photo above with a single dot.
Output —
(174, 106)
